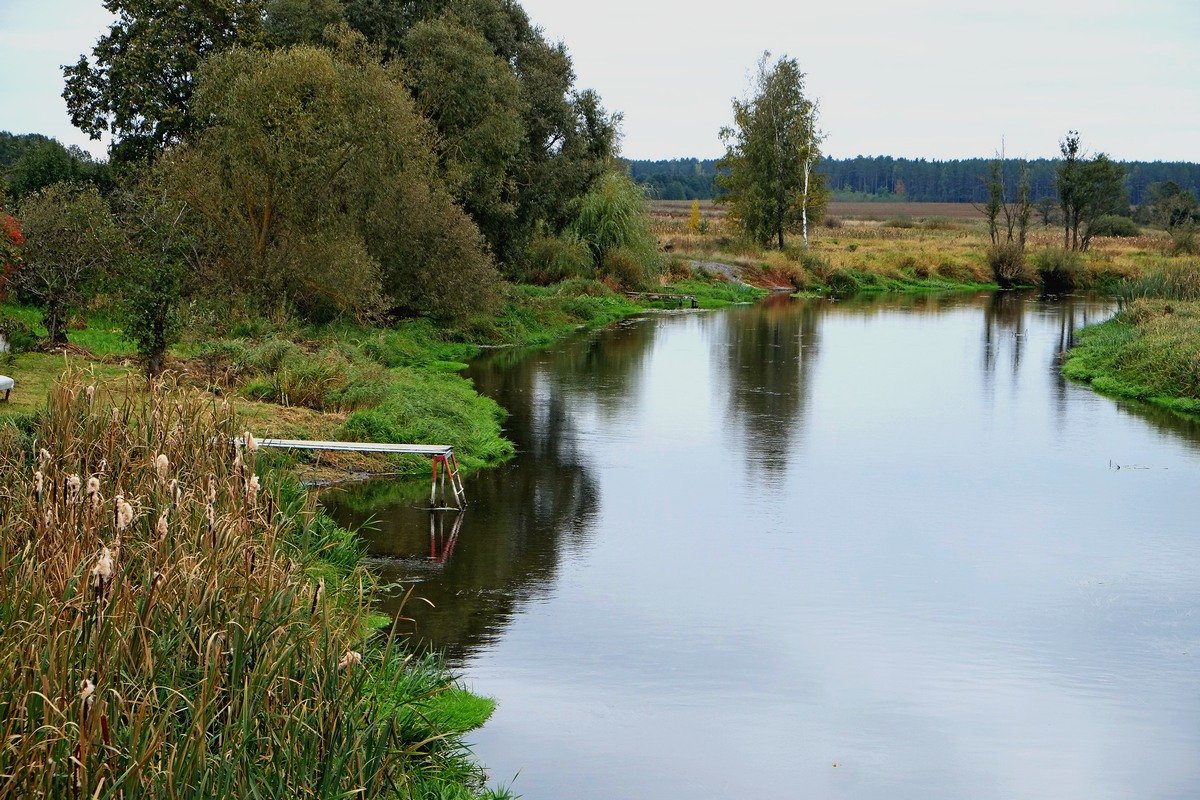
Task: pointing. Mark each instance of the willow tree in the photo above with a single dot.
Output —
(767, 172)
(315, 184)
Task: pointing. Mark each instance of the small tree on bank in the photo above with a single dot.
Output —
(1008, 215)
(767, 171)
(1087, 190)
(70, 241)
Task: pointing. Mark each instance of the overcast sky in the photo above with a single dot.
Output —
(929, 78)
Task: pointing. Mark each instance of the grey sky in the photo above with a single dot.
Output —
(931, 78)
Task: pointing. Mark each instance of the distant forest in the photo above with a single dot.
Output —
(916, 180)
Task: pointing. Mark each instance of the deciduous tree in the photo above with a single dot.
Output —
(315, 183)
(1088, 188)
(70, 241)
(770, 152)
(139, 81)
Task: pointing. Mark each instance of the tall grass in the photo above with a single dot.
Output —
(174, 625)
(1165, 278)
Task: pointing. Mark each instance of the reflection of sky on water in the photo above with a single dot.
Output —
(774, 539)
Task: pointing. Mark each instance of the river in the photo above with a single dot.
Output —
(875, 548)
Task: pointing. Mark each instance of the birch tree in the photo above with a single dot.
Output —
(771, 149)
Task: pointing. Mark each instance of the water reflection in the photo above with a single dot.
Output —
(949, 594)
(507, 547)
(763, 357)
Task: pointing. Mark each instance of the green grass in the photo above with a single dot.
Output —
(716, 294)
(848, 281)
(36, 373)
(101, 332)
(1148, 352)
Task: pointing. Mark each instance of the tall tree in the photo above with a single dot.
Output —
(1068, 181)
(567, 139)
(1088, 188)
(767, 169)
(138, 84)
(315, 183)
(474, 99)
(46, 162)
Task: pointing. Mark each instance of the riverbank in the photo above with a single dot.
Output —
(899, 253)
(351, 382)
(1150, 351)
(177, 619)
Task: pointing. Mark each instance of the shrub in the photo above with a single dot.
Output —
(1113, 225)
(223, 359)
(1183, 243)
(902, 221)
(939, 224)
(624, 267)
(613, 217)
(848, 281)
(557, 258)
(1007, 262)
(1058, 270)
(833, 222)
(19, 336)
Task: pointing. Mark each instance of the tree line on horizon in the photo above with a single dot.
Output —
(883, 178)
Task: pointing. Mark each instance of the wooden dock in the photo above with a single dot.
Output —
(444, 461)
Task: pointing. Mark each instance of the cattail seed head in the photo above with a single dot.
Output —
(161, 466)
(39, 483)
(123, 512)
(160, 529)
(87, 695)
(320, 590)
(102, 572)
(251, 442)
(90, 392)
(43, 457)
(252, 487)
(352, 658)
(73, 484)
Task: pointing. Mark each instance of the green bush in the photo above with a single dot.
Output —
(19, 336)
(1113, 225)
(557, 258)
(849, 281)
(1007, 262)
(624, 267)
(1058, 270)
(1183, 242)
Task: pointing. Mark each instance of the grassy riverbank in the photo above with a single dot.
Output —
(349, 382)
(897, 253)
(1150, 351)
(176, 621)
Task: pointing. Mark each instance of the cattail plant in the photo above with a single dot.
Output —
(167, 641)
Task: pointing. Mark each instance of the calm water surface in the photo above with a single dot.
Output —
(815, 549)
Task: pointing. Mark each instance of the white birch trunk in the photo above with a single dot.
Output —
(804, 206)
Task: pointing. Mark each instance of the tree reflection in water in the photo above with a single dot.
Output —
(763, 361)
(522, 518)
